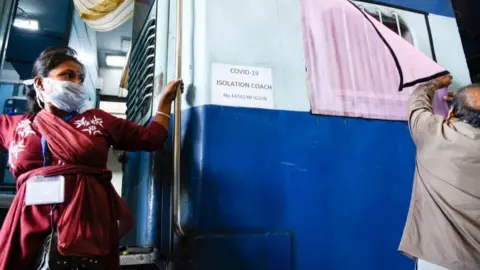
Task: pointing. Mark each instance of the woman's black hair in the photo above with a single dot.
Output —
(48, 60)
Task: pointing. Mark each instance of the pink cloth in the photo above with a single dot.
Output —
(358, 67)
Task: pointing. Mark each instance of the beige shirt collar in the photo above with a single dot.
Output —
(465, 129)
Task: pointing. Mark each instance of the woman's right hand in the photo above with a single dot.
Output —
(168, 96)
(171, 91)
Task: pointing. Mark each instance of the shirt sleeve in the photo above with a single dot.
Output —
(128, 136)
(421, 119)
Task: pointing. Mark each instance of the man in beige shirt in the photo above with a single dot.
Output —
(443, 225)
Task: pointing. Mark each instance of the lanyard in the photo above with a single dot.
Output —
(47, 159)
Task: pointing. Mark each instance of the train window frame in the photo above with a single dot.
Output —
(392, 21)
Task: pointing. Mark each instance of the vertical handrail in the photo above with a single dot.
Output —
(399, 28)
(177, 213)
(380, 16)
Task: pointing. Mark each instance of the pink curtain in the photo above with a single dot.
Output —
(358, 67)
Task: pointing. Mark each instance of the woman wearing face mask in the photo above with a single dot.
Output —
(58, 154)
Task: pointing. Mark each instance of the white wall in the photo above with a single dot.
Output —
(117, 109)
(162, 49)
(269, 38)
(111, 81)
(9, 73)
(111, 40)
(83, 39)
(449, 49)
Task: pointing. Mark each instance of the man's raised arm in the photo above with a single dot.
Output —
(420, 110)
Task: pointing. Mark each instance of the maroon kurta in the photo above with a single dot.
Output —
(87, 220)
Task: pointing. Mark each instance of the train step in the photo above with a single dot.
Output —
(139, 258)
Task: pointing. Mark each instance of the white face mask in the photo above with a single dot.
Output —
(87, 105)
(66, 96)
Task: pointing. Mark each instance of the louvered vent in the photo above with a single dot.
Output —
(141, 74)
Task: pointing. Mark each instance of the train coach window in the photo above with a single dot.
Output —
(393, 21)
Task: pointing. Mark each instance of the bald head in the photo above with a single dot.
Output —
(466, 105)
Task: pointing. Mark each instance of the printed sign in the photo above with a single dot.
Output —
(242, 86)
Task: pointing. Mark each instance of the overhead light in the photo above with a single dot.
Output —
(115, 60)
(26, 24)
